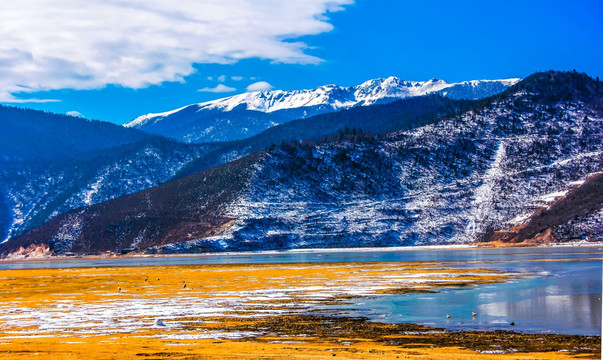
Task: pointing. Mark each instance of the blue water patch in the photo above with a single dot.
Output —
(561, 297)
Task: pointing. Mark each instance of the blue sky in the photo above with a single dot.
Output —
(164, 60)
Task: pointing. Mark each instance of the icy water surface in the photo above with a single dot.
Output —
(561, 292)
(444, 254)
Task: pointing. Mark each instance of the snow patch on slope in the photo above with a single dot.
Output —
(485, 195)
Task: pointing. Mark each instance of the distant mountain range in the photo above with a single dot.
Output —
(523, 165)
(51, 163)
(241, 116)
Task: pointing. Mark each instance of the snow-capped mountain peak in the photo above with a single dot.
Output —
(375, 90)
(286, 105)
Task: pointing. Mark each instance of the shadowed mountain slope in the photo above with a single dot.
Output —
(32, 135)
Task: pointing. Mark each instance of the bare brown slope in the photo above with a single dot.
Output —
(581, 201)
(188, 208)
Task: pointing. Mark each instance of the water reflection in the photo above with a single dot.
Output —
(567, 300)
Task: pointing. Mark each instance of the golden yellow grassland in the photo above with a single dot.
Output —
(243, 312)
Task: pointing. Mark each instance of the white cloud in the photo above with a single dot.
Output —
(222, 78)
(259, 86)
(74, 113)
(6, 97)
(236, 78)
(220, 88)
(60, 44)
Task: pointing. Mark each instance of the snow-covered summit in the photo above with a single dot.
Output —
(337, 97)
(208, 117)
